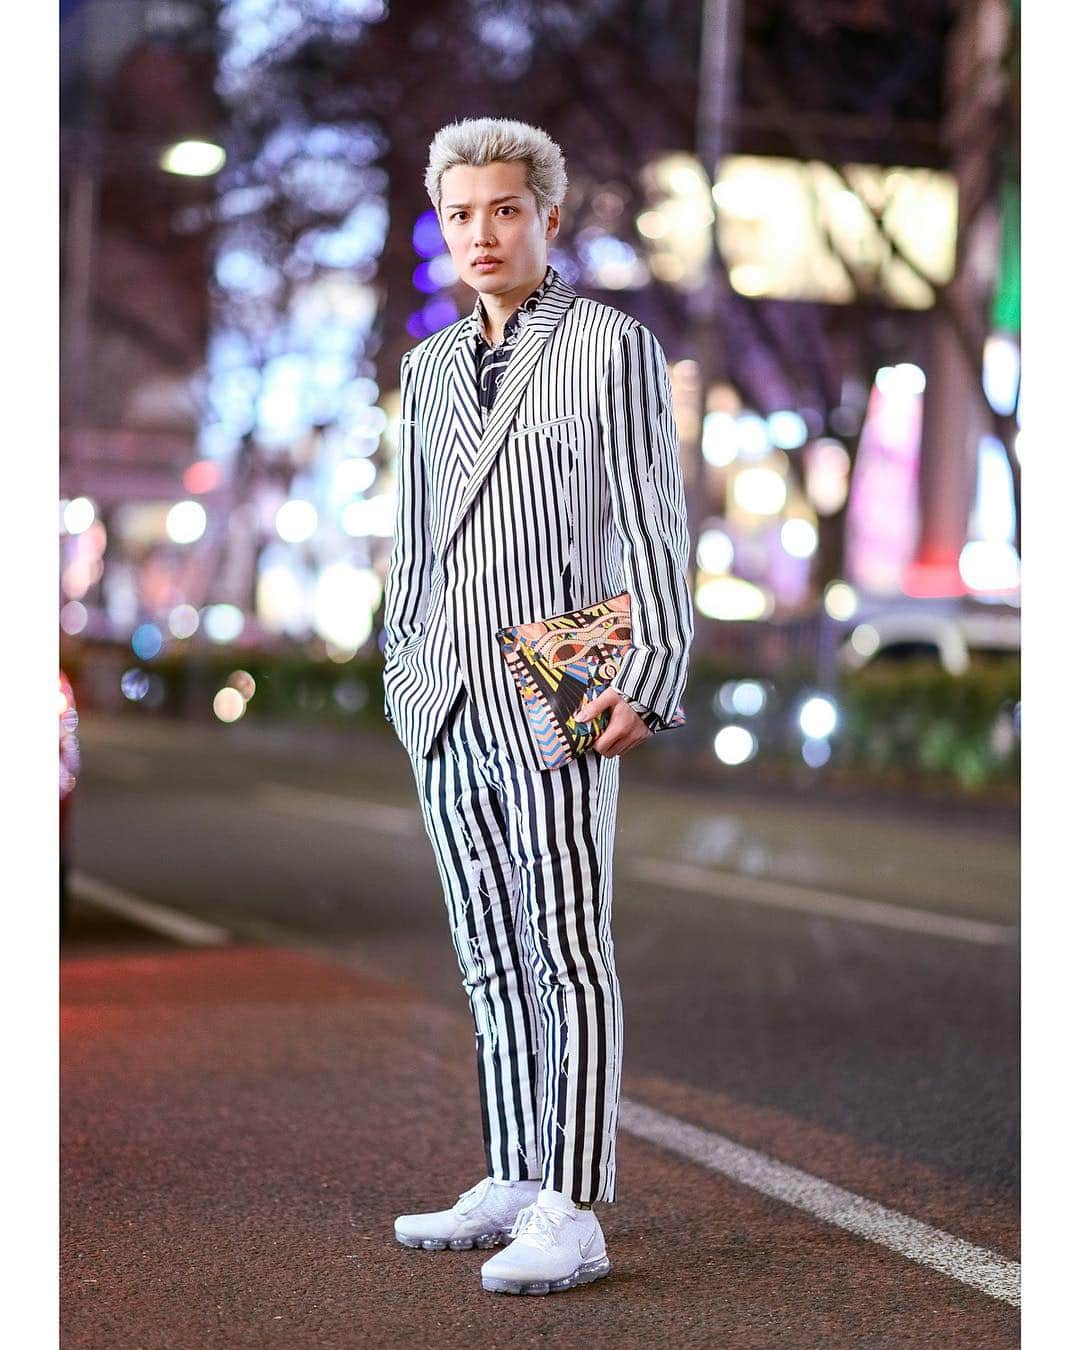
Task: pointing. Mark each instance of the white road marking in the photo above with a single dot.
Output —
(978, 1267)
(158, 918)
(982, 1269)
(785, 895)
(339, 809)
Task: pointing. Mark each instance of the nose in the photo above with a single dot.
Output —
(483, 234)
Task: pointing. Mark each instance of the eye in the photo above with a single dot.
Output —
(511, 209)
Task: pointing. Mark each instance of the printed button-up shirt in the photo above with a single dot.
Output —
(491, 361)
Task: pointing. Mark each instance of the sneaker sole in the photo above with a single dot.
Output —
(483, 1240)
(591, 1270)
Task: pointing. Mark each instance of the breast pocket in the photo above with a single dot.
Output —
(566, 430)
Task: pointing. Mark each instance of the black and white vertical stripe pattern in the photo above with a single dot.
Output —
(525, 858)
(570, 492)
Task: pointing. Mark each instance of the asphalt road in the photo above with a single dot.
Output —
(808, 990)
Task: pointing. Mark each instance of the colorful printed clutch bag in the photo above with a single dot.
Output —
(562, 662)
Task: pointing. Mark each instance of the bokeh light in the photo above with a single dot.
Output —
(752, 435)
(427, 237)
(715, 551)
(147, 641)
(202, 476)
(760, 492)
(353, 476)
(73, 617)
(865, 640)
(193, 159)
(841, 600)
(229, 705)
(734, 745)
(134, 684)
(345, 598)
(223, 623)
(79, 515)
(732, 598)
(989, 565)
(243, 682)
(826, 466)
(186, 522)
(799, 538)
(745, 697)
(816, 751)
(183, 621)
(296, 520)
(373, 516)
(719, 439)
(818, 716)
(787, 430)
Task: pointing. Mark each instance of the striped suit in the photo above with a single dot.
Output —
(570, 492)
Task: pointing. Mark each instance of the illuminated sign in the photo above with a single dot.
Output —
(795, 230)
(882, 526)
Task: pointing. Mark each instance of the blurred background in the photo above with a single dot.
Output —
(813, 205)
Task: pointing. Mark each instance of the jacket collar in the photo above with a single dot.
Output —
(555, 301)
(520, 317)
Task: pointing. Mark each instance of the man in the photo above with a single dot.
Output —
(539, 473)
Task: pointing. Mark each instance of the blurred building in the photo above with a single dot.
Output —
(811, 202)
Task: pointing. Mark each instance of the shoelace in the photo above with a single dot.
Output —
(539, 1224)
(471, 1198)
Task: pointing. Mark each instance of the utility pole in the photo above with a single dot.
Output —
(718, 101)
(954, 412)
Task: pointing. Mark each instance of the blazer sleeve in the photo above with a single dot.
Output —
(408, 573)
(641, 457)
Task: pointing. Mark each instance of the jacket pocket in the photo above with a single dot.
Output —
(564, 429)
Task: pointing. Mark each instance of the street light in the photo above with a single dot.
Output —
(193, 159)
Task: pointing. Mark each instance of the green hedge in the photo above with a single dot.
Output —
(907, 726)
(923, 721)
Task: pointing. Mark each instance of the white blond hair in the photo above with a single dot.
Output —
(484, 140)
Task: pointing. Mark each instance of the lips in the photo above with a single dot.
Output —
(486, 262)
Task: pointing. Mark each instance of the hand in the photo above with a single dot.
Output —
(624, 730)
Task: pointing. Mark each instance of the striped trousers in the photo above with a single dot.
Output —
(525, 859)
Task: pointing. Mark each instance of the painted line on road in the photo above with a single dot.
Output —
(978, 1267)
(338, 809)
(785, 895)
(171, 923)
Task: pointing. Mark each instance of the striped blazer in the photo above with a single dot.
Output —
(571, 492)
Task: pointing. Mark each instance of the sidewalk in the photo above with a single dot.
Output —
(241, 1125)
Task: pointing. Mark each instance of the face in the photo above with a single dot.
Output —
(490, 213)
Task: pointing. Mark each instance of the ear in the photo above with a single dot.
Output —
(553, 222)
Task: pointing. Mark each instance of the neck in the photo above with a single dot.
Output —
(498, 308)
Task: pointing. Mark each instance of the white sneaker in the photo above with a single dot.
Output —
(555, 1246)
(482, 1217)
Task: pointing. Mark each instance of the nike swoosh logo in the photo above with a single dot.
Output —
(586, 1248)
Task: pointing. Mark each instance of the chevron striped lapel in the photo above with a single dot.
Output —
(542, 323)
(468, 426)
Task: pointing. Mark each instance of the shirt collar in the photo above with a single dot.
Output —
(519, 316)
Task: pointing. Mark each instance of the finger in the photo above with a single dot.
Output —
(587, 711)
(612, 745)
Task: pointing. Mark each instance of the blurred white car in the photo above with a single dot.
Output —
(951, 638)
